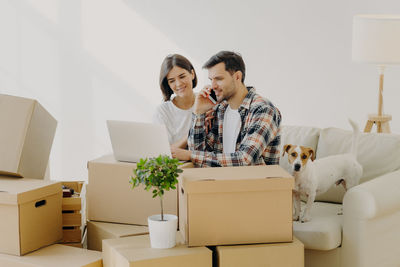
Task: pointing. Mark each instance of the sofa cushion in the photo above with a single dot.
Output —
(324, 231)
(297, 135)
(377, 153)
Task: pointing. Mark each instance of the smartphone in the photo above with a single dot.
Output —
(212, 97)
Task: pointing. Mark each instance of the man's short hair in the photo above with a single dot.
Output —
(233, 62)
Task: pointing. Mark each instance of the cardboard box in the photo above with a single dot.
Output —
(55, 255)
(26, 137)
(278, 254)
(235, 205)
(97, 231)
(136, 251)
(30, 212)
(111, 198)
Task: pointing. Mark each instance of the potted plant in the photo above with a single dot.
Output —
(159, 174)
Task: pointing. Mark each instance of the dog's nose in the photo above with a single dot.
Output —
(297, 167)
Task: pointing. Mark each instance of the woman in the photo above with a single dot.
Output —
(177, 80)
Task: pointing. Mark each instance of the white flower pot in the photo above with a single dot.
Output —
(162, 233)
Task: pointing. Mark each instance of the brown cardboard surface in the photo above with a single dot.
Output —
(97, 231)
(71, 219)
(72, 235)
(255, 206)
(136, 251)
(111, 199)
(54, 256)
(72, 203)
(26, 137)
(277, 254)
(230, 179)
(30, 212)
(22, 190)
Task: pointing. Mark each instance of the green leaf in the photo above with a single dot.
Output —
(158, 173)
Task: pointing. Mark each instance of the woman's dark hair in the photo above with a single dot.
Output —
(169, 62)
(233, 62)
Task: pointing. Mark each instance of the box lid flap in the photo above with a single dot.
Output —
(137, 248)
(236, 179)
(55, 255)
(22, 190)
(122, 230)
(109, 159)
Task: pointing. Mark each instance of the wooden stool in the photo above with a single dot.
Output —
(381, 121)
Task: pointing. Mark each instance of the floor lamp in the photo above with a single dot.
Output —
(376, 40)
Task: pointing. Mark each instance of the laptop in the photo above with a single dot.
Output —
(134, 140)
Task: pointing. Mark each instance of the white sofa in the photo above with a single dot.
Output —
(368, 232)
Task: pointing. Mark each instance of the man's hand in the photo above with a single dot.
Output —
(181, 154)
(202, 104)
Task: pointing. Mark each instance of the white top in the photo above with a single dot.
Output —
(175, 119)
(231, 128)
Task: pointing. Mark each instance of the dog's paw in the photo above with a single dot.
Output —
(305, 219)
(340, 212)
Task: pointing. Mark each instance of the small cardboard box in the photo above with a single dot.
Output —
(30, 212)
(136, 251)
(235, 205)
(26, 137)
(55, 255)
(277, 254)
(97, 231)
(111, 198)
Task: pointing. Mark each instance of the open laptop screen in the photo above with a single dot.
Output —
(134, 140)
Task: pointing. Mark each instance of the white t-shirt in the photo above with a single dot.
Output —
(175, 119)
(231, 128)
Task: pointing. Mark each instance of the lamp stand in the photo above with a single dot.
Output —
(381, 120)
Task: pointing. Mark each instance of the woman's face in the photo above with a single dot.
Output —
(180, 81)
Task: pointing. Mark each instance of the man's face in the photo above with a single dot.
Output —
(222, 82)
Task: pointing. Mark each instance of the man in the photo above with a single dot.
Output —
(245, 129)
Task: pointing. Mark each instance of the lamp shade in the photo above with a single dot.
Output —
(376, 39)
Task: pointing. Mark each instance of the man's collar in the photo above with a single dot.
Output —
(247, 100)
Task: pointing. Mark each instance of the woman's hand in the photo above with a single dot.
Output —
(182, 143)
(209, 120)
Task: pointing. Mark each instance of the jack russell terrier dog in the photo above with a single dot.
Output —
(314, 177)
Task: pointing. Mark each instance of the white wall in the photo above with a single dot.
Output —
(93, 60)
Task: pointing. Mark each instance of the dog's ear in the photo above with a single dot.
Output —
(311, 151)
(286, 149)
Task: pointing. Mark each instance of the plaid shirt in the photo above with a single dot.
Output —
(257, 143)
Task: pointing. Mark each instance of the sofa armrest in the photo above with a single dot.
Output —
(371, 219)
(374, 198)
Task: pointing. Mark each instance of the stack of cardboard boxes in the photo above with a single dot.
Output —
(233, 216)
(236, 216)
(114, 209)
(73, 217)
(30, 208)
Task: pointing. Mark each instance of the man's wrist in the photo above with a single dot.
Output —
(198, 112)
(201, 115)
